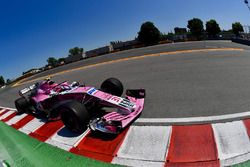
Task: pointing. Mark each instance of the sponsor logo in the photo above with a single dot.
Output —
(126, 103)
(92, 91)
(115, 99)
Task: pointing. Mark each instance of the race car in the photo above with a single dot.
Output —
(80, 106)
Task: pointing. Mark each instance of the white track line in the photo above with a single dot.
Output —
(2, 110)
(137, 163)
(65, 139)
(232, 141)
(6, 114)
(59, 145)
(147, 144)
(8, 108)
(16, 119)
(83, 136)
(193, 119)
(32, 126)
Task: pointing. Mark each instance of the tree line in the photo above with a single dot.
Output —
(3, 82)
(52, 61)
(149, 34)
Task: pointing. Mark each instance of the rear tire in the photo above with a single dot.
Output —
(75, 116)
(22, 105)
(112, 86)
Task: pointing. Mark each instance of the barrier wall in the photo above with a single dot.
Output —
(241, 41)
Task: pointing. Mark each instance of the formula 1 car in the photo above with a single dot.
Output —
(80, 106)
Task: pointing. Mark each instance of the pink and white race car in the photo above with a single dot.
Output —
(80, 106)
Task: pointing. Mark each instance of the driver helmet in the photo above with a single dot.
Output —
(75, 83)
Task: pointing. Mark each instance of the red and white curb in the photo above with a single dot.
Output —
(218, 144)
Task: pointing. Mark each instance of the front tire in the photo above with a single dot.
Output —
(22, 105)
(75, 116)
(112, 86)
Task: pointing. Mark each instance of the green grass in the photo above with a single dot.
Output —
(20, 150)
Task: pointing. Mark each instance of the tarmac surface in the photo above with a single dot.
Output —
(192, 82)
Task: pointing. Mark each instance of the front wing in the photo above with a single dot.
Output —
(115, 122)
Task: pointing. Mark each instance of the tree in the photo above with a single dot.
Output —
(8, 81)
(178, 30)
(2, 82)
(149, 34)
(195, 26)
(237, 28)
(115, 42)
(168, 36)
(62, 59)
(212, 28)
(246, 2)
(163, 36)
(75, 51)
(52, 61)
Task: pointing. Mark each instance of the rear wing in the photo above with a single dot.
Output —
(26, 90)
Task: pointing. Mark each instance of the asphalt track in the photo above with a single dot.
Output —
(185, 80)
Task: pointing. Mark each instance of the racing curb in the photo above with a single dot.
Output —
(216, 144)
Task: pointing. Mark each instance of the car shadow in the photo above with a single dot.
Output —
(64, 132)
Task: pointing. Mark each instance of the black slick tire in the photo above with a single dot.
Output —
(22, 105)
(112, 86)
(74, 115)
